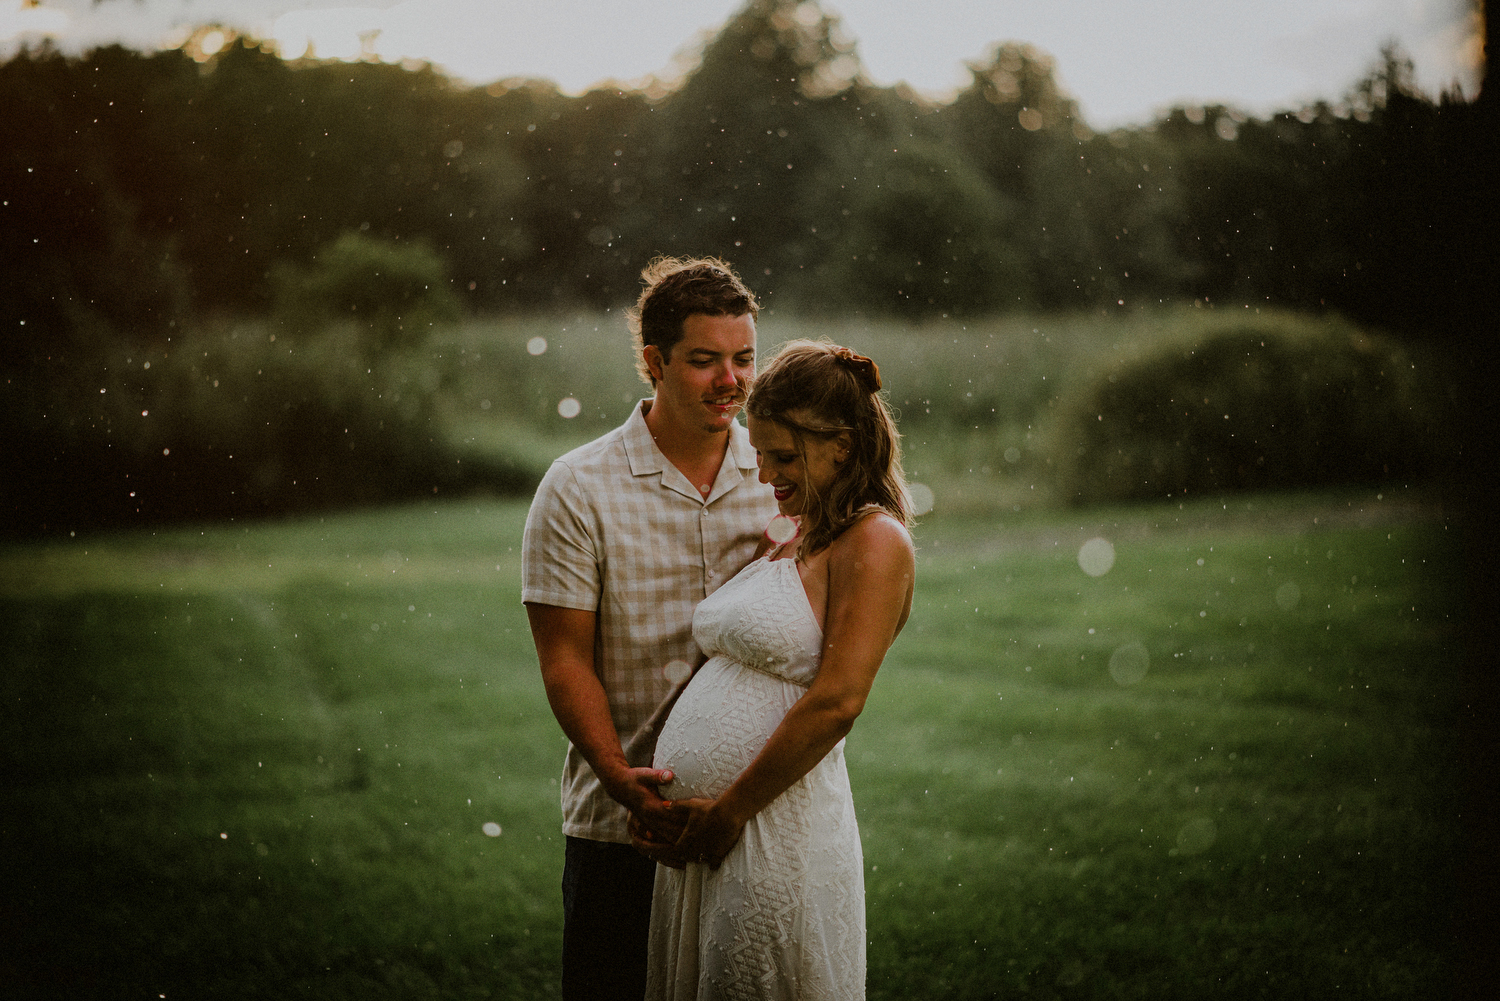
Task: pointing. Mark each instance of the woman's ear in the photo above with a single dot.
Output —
(841, 446)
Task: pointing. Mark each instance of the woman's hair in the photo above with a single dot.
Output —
(676, 288)
(832, 390)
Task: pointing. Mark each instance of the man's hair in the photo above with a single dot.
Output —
(677, 287)
(833, 391)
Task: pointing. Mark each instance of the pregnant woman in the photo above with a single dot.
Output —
(762, 895)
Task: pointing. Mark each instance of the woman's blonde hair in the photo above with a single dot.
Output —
(834, 391)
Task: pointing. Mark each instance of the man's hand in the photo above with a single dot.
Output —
(637, 789)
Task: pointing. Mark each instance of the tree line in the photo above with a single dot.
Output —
(143, 190)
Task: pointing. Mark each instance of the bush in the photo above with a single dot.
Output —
(230, 424)
(393, 293)
(1285, 405)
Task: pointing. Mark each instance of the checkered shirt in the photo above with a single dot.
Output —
(616, 529)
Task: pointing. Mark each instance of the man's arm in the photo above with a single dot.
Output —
(564, 640)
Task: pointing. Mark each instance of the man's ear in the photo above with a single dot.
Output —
(655, 363)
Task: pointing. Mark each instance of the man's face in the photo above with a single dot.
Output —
(704, 382)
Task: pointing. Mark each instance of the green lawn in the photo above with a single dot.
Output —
(258, 762)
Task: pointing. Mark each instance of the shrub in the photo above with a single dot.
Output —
(1285, 405)
(235, 423)
(393, 293)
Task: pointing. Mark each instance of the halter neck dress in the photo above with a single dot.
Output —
(783, 917)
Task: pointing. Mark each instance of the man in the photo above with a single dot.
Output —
(626, 535)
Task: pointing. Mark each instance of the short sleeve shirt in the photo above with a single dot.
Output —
(616, 529)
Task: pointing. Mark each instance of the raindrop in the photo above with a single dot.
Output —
(1013, 454)
(1128, 664)
(677, 671)
(537, 345)
(569, 407)
(921, 498)
(491, 829)
(1096, 557)
(782, 529)
(1197, 835)
(453, 149)
(1287, 596)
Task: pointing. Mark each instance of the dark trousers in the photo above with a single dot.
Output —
(606, 920)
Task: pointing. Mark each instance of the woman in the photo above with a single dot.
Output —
(762, 895)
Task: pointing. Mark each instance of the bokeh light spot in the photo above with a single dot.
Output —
(1197, 835)
(491, 829)
(782, 529)
(569, 407)
(1287, 596)
(536, 346)
(1096, 557)
(921, 498)
(678, 671)
(1129, 663)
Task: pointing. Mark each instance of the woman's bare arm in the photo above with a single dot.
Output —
(871, 569)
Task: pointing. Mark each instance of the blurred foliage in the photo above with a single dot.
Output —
(151, 199)
(392, 293)
(1262, 406)
(230, 423)
(147, 187)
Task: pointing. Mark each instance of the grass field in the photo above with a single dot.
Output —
(258, 761)
(979, 401)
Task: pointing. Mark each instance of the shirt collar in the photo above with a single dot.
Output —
(645, 458)
(640, 448)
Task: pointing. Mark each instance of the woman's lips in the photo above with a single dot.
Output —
(782, 493)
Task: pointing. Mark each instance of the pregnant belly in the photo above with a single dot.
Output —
(719, 725)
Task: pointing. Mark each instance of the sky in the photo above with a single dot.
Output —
(1124, 61)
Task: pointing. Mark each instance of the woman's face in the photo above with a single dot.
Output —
(793, 475)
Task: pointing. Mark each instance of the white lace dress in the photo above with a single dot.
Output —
(784, 916)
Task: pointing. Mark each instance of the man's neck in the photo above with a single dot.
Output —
(696, 453)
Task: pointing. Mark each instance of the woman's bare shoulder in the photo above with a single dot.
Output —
(876, 537)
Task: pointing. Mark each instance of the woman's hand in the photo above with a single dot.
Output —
(709, 833)
(654, 846)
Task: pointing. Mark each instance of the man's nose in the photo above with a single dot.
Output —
(728, 374)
